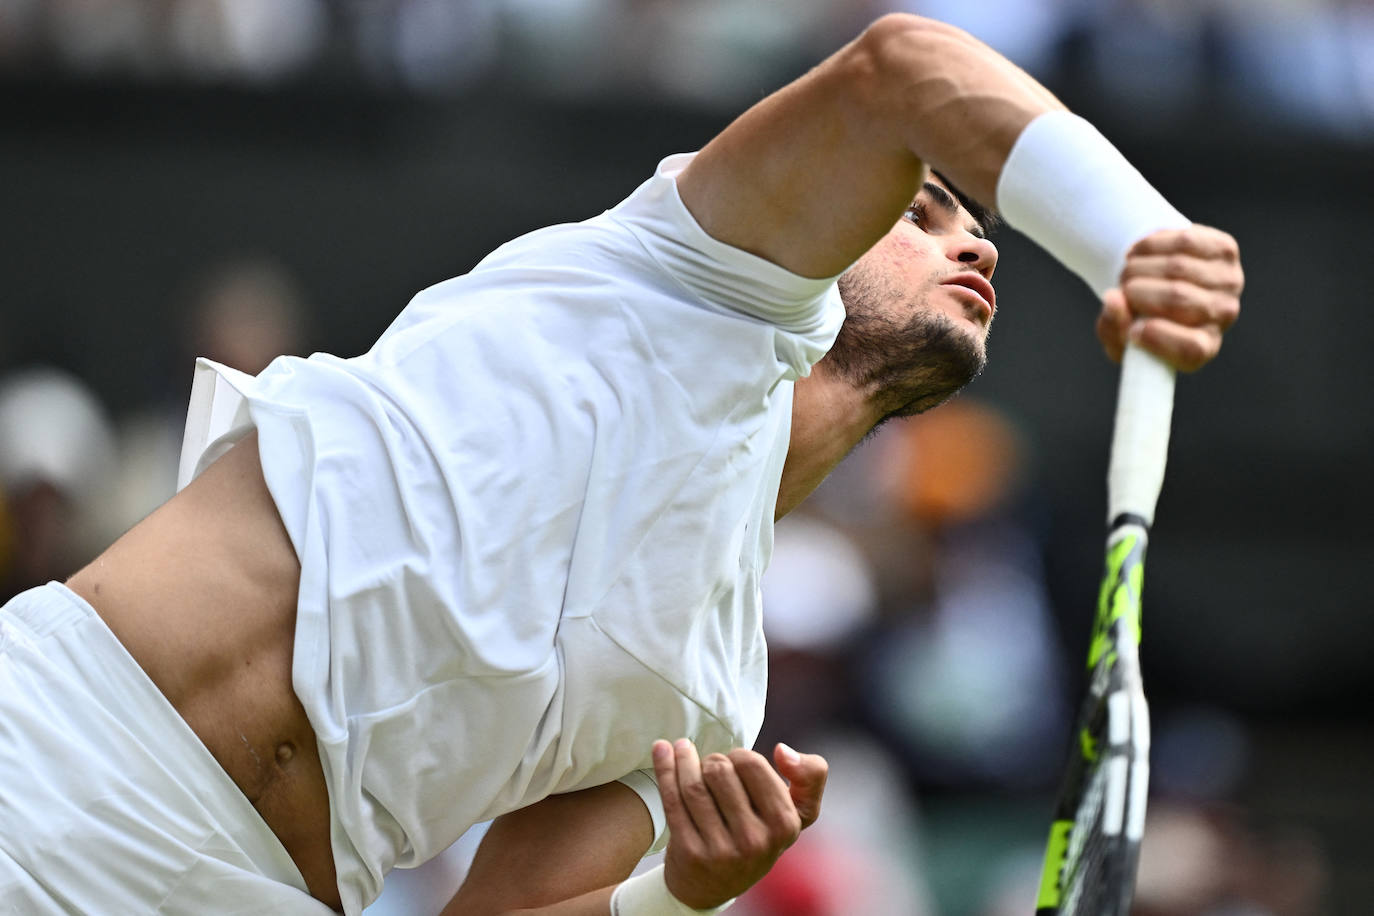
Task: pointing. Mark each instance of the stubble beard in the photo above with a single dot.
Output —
(906, 364)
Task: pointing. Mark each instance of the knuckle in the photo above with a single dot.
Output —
(1195, 351)
(1152, 242)
(1179, 293)
(716, 771)
(743, 757)
(789, 829)
(696, 791)
(720, 856)
(754, 844)
(1230, 248)
(1114, 304)
(1143, 247)
(784, 826)
(1136, 265)
(1229, 312)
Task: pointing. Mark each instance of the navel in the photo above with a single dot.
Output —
(285, 751)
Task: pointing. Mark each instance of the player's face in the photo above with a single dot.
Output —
(919, 305)
(938, 252)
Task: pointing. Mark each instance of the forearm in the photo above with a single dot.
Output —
(811, 177)
(557, 856)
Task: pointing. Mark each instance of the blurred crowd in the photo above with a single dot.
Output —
(1306, 62)
(73, 477)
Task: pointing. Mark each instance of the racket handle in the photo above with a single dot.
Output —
(1140, 438)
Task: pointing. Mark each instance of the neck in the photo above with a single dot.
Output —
(829, 418)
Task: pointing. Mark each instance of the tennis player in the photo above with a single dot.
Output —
(478, 570)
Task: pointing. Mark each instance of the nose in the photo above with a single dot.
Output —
(973, 251)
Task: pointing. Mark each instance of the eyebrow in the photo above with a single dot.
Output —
(947, 203)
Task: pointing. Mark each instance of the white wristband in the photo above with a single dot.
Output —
(1066, 187)
(648, 895)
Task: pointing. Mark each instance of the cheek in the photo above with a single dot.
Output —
(904, 256)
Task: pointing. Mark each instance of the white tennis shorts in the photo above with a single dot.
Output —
(109, 803)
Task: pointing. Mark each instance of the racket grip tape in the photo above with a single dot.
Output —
(1140, 436)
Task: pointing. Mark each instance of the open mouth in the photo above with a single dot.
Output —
(980, 287)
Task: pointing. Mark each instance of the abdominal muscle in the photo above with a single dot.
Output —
(202, 594)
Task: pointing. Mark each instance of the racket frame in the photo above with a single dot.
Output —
(1106, 782)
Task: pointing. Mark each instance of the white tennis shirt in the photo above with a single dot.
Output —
(531, 520)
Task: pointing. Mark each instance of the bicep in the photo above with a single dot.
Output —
(555, 849)
(811, 177)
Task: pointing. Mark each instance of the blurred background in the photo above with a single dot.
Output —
(242, 178)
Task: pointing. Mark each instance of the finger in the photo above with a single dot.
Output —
(1113, 324)
(749, 833)
(1198, 240)
(770, 796)
(1186, 349)
(1211, 273)
(767, 790)
(718, 772)
(696, 797)
(1180, 301)
(806, 775)
(674, 810)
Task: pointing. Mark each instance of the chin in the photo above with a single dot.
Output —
(908, 364)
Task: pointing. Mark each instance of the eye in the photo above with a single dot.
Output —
(916, 213)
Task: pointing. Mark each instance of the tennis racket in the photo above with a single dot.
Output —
(1094, 844)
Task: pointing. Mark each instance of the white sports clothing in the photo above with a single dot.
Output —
(531, 520)
(110, 803)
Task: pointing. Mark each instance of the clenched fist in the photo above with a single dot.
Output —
(732, 815)
(1179, 293)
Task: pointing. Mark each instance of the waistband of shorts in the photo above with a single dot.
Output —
(47, 609)
(114, 679)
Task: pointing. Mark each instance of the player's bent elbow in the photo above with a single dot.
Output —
(909, 25)
(904, 60)
(949, 99)
(904, 44)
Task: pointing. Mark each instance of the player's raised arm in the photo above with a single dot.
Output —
(811, 177)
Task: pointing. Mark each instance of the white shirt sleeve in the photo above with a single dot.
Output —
(719, 273)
